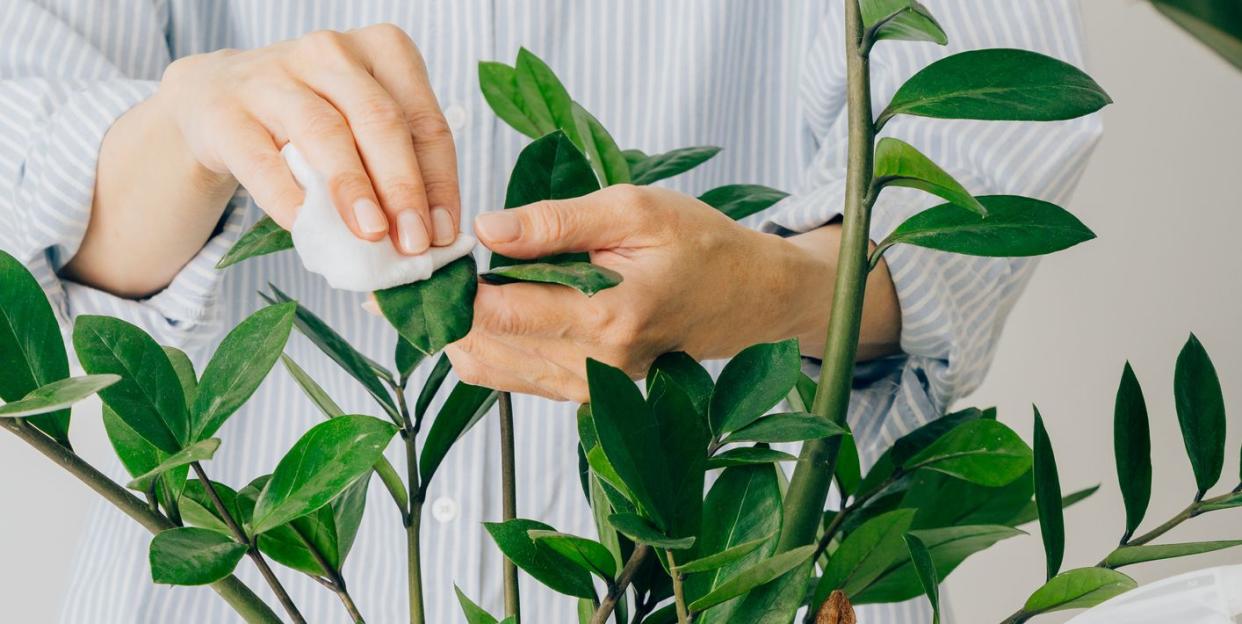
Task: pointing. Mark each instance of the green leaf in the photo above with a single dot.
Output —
(753, 382)
(998, 84)
(407, 358)
(948, 547)
(1200, 412)
(32, 352)
(191, 556)
(905, 20)
(583, 277)
(748, 456)
(640, 530)
(500, 88)
(240, 364)
(980, 451)
(688, 374)
(601, 150)
(149, 397)
(199, 451)
(1130, 555)
(1015, 227)
(1235, 500)
(1029, 513)
(347, 510)
(540, 561)
(926, 568)
(753, 576)
(135, 452)
(436, 311)
(313, 390)
(898, 163)
(185, 373)
(465, 406)
(649, 169)
(1132, 449)
(283, 543)
(57, 395)
(328, 458)
(738, 201)
(683, 438)
(787, 427)
(1078, 589)
(473, 612)
(1216, 23)
(724, 557)
(199, 510)
(263, 238)
(547, 101)
(587, 554)
(1048, 498)
(435, 379)
(865, 554)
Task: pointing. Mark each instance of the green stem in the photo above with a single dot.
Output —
(336, 582)
(808, 488)
(414, 563)
(413, 516)
(632, 566)
(248, 605)
(508, 484)
(679, 591)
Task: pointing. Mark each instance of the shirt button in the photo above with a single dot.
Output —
(444, 509)
(456, 117)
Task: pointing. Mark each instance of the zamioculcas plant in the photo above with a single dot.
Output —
(751, 547)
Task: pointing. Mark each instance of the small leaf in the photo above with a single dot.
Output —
(926, 568)
(1048, 499)
(948, 546)
(283, 543)
(135, 452)
(407, 358)
(57, 395)
(32, 352)
(898, 163)
(688, 374)
(199, 510)
(1234, 500)
(724, 557)
(601, 150)
(498, 82)
(240, 364)
(1200, 412)
(748, 455)
(905, 20)
(263, 238)
(191, 556)
(787, 427)
(587, 554)
(754, 576)
(1015, 227)
(1078, 589)
(649, 169)
(547, 101)
(436, 311)
(313, 390)
(1215, 23)
(464, 407)
(435, 379)
(1029, 513)
(980, 451)
(199, 451)
(328, 458)
(640, 530)
(1130, 555)
(539, 560)
(185, 373)
(473, 612)
(583, 277)
(738, 201)
(865, 554)
(1132, 449)
(753, 382)
(998, 84)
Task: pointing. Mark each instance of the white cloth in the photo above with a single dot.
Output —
(327, 247)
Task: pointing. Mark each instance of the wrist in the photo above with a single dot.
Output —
(806, 286)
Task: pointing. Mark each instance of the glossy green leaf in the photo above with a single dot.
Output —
(540, 561)
(865, 554)
(1078, 589)
(683, 437)
(641, 531)
(240, 364)
(1132, 449)
(898, 163)
(1200, 412)
(998, 84)
(583, 277)
(738, 201)
(587, 554)
(435, 379)
(57, 395)
(312, 389)
(1216, 23)
(199, 451)
(601, 150)
(328, 458)
(688, 374)
(905, 20)
(948, 547)
(925, 566)
(192, 556)
(1029, 513)
(980, 451)
(465, 406)
(547, 101)
(149, 397)
(787, 427)
(185, 373)
(135, 452)
(263, 238)
(1230, 502)
(407, 358)
(1130, 555)
(436, 311)
(656, 167)
(32, 352)
(1015, 227)
(1048, 498)
(197, 508)
(498, 82)
(748, 456)
(473, 612)
(347, 511)
(283, 543)
(753, 576)
(753, 382)
(724, 557)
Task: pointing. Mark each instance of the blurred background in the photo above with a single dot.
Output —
(1161, 193)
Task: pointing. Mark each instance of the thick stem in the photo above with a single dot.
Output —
(414, 515)
(237, 595)
(679, 591)
(414, 563)
(808, 488)
(336, 582)
(508, 486)
(632, 565)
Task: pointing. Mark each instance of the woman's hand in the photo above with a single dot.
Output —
(694, 281)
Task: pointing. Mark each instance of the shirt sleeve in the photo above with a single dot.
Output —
(66, 74)
(953, 307)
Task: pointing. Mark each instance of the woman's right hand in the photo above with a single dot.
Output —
(359, 107)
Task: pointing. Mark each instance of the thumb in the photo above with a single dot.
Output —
(601, 220)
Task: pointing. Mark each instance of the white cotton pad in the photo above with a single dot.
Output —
(327, 247)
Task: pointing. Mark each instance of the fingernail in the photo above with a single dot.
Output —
(411, 233)
(370, 218)
(371, 307)
(498, 227)
(442, 226)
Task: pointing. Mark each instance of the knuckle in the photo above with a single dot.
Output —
(546, 221)
(380, 112)
(403, 193)
(388, 32)
(322, 121)
(325, 46)
(349, 184)
(429, 126)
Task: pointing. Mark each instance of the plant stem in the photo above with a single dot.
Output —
(336, 582)
(508, 486)
(808, 488)
(252, 548)
(414, 563)
(632, 565)
(248, 605)
(413, 517)
(679, 591)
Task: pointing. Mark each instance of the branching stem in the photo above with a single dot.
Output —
(679, 591)
(632, 566)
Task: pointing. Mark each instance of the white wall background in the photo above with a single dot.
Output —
(1160, 192)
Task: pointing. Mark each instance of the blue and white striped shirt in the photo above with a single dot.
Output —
(765, 80)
